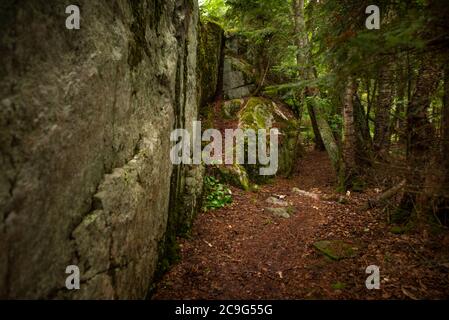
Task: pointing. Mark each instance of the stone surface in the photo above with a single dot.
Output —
(280, 212)
(306, 193)
(238, 78)
(85, 122)
(277, 202)
(210, 60)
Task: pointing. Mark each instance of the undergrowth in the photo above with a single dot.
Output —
(216, 195)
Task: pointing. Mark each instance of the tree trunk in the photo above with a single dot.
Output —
(327, 136)
(370, 100)
(349, 137)
(441, 204)
(302, 62)
(299, 26)
(399, 121)
(445, 130)
(420, 137)
(382, 110)
(364, 141)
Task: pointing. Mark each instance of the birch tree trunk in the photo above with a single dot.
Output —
(349, 149)
(327, 136)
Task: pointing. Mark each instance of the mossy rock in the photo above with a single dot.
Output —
(235, 175)
(231, 108)
(257, 114)
(280, 212)
(210, 46)
(261, 113)
(336, 249)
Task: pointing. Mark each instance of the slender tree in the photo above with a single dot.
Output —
(349, 135)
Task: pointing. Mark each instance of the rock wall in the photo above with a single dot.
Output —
(85, 122)
(210, 60)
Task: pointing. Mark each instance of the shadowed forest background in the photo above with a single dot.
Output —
(87, 181)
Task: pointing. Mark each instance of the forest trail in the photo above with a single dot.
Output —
(243, 251)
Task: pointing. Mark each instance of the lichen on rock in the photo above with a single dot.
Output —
(238, 78)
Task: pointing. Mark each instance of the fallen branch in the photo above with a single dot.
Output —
(384, 197)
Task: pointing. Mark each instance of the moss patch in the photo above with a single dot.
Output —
(257, 114)
(338, 285)
(336, 249)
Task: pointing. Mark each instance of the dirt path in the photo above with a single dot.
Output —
(245, 252)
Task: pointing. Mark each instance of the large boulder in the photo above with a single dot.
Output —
(262, 113)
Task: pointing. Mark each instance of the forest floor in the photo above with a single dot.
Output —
(243, 251)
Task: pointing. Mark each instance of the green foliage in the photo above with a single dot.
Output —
(268, 26)
(216, 195)
(213, 9)
(326, 106)
(335, 122)
(341, 42)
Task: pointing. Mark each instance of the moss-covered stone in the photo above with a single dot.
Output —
(261, 113)
(231, 108)
(336, 249)
(280, 212)
(257, 114)
(235, 175)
